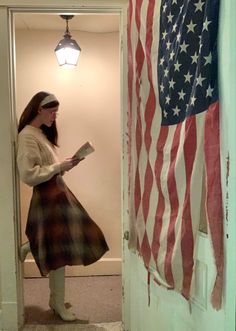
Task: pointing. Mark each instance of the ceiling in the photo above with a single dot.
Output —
(96, 23)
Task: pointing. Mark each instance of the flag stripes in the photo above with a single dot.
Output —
(168, 155)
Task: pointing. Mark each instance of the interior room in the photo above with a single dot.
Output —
(154, 93)
(89, 96)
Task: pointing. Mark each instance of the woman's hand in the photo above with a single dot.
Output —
(69, 163)
(76, 160)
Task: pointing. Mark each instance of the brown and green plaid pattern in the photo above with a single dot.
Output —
(60, 230)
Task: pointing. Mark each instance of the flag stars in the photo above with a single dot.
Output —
(162, 87)
(191, 27)
(185, 60)
(172, 54)
(208, 59)
(170, 18)
(188, 77)
(168, 44)
(166, 72)
(181, 95)
(183, 47)
(199, 80)
(171, 83)
(177, 65)
(193, 99)
(176, 111)
(209, 91)
(174, 27)
(164, 7)
(164, 34)
(178, 37)
(162, 60)
(167, 99)
(199, 5)
(205, 24)
(194, 58)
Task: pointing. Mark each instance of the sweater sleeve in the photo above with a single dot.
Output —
(29, 163)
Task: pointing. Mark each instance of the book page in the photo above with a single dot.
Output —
(84, 150)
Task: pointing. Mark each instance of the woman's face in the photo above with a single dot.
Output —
(47, 115)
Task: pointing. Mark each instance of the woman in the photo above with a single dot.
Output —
(59, 230)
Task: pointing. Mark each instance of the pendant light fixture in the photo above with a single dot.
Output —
(67, 50)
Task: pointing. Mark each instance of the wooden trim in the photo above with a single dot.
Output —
(11, 296)
(68, 5)
(106, 266)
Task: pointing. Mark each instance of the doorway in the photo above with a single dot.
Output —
(18, 101)
(89, 99)
(89, 96)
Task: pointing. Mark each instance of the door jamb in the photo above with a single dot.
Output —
(11, 310)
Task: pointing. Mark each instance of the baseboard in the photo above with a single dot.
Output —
(0, 319)
(105, 266)
(9, 316)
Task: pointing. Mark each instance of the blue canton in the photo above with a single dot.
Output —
(187, 58)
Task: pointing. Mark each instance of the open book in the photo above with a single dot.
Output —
(84, 150)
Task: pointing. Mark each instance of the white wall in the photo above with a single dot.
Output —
(168, 310)
(89, 97)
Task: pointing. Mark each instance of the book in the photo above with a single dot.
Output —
(84, 150)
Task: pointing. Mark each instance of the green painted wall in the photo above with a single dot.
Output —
(168, 312)
(227, 54)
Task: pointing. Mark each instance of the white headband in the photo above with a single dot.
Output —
(49, 98)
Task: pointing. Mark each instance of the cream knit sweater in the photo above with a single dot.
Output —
(36, 158)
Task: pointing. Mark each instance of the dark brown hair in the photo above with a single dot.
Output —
(31, 111)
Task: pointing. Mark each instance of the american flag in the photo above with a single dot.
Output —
(174, 137)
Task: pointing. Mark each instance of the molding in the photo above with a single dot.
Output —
(105, 266)
(11, 299)
(0, 319)
(64, 4)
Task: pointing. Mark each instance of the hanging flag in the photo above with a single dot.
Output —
(174, 138)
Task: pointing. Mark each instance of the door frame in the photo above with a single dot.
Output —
(11, 279)
(227, 73)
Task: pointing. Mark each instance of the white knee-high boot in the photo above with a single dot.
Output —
(57, 294)
(24, 250)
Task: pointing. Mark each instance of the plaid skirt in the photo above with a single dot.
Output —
(59, 229)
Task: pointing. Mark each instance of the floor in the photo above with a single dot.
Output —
(97, 299)
(116, 326)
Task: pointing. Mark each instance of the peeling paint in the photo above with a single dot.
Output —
(227, 170)
(227, 193)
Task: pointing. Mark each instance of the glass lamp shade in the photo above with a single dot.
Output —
(67, 51)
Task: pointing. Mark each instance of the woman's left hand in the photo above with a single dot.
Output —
(76, 161)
